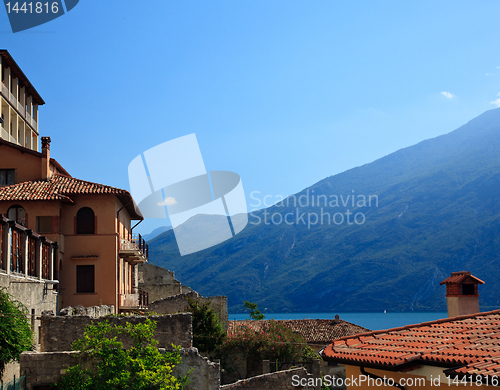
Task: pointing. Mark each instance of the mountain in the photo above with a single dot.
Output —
(434, 209)
(156, 232)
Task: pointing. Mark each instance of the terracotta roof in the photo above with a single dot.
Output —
(61, 187)
(461, 277)
(313, 331)
(468, 345)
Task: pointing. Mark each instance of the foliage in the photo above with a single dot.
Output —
(208, 332)
(308, 352)
(255, 314)
(15, 329)
(111, 367)
(276, 343)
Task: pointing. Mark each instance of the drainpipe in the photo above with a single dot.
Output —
(386, 382)
(118, 270)
(131, 229)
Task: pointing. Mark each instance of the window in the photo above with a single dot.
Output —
(44, 224)
(85, 221)
(7, 177)
(17, 213)
(84, 278)
(468, 289)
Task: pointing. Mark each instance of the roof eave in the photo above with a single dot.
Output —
(393, 367)
(20, 74)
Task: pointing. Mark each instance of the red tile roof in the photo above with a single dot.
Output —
(61, 187)
(461, 277)
(313, 331)
(470, 344)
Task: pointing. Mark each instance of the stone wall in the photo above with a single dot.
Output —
(239, 368)
(178, 304)
(159, 282)
(205, 375)
(58, 333)
(44, 369)
(281, 380)
(37, 297)
(91, 311)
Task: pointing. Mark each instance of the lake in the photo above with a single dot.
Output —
(373, 321)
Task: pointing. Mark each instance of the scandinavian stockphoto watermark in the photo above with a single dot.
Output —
(24, 15)
(312, 209)
(205, 208)
(379, 381)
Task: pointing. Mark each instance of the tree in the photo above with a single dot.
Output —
(141, 367)
(276, 342)
(208, 332)
(255, 314)
(15, 329)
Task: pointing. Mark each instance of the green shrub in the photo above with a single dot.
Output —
(208, 332)
(141, 367)
(15, 329)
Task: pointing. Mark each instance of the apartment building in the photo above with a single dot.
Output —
(71, 237)
(19, 105)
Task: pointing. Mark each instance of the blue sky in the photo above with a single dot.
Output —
(285, 93)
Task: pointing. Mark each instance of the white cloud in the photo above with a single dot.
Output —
(169, 201)
(447, 95)
(496, 102)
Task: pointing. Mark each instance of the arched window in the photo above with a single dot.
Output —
(85, 221)
(17, 213)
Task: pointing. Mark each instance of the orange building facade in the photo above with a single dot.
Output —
(73, 234)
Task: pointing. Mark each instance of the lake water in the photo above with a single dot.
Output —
(373, 321)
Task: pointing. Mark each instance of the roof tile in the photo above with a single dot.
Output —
(471, 340)
(62, 187)
(314, 331)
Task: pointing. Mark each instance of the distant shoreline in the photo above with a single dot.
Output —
(373, 321)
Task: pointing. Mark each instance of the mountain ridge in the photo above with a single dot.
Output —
(437, 213)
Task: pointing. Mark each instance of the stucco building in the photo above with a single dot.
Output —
(71, 236)
(19, 105)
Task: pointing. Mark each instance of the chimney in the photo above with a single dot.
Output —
(46, 174)
(462, 295)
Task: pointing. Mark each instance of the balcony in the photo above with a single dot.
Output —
(136, 301)
(135, 251)
(13, 99)
(21, 109)
(4, 134)
(5, 91)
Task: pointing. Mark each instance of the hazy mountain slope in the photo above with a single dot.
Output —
(438, 211)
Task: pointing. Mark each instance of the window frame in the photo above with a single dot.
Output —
(81, 283)
(4, 172)
(85, 222)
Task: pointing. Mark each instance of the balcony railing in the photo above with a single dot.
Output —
(21, 109)
(28, 117)
(13, 99)
(4, 134)
(138, 300)
(135, 251)
(141, 243)
(5, 91)
(25, 253)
